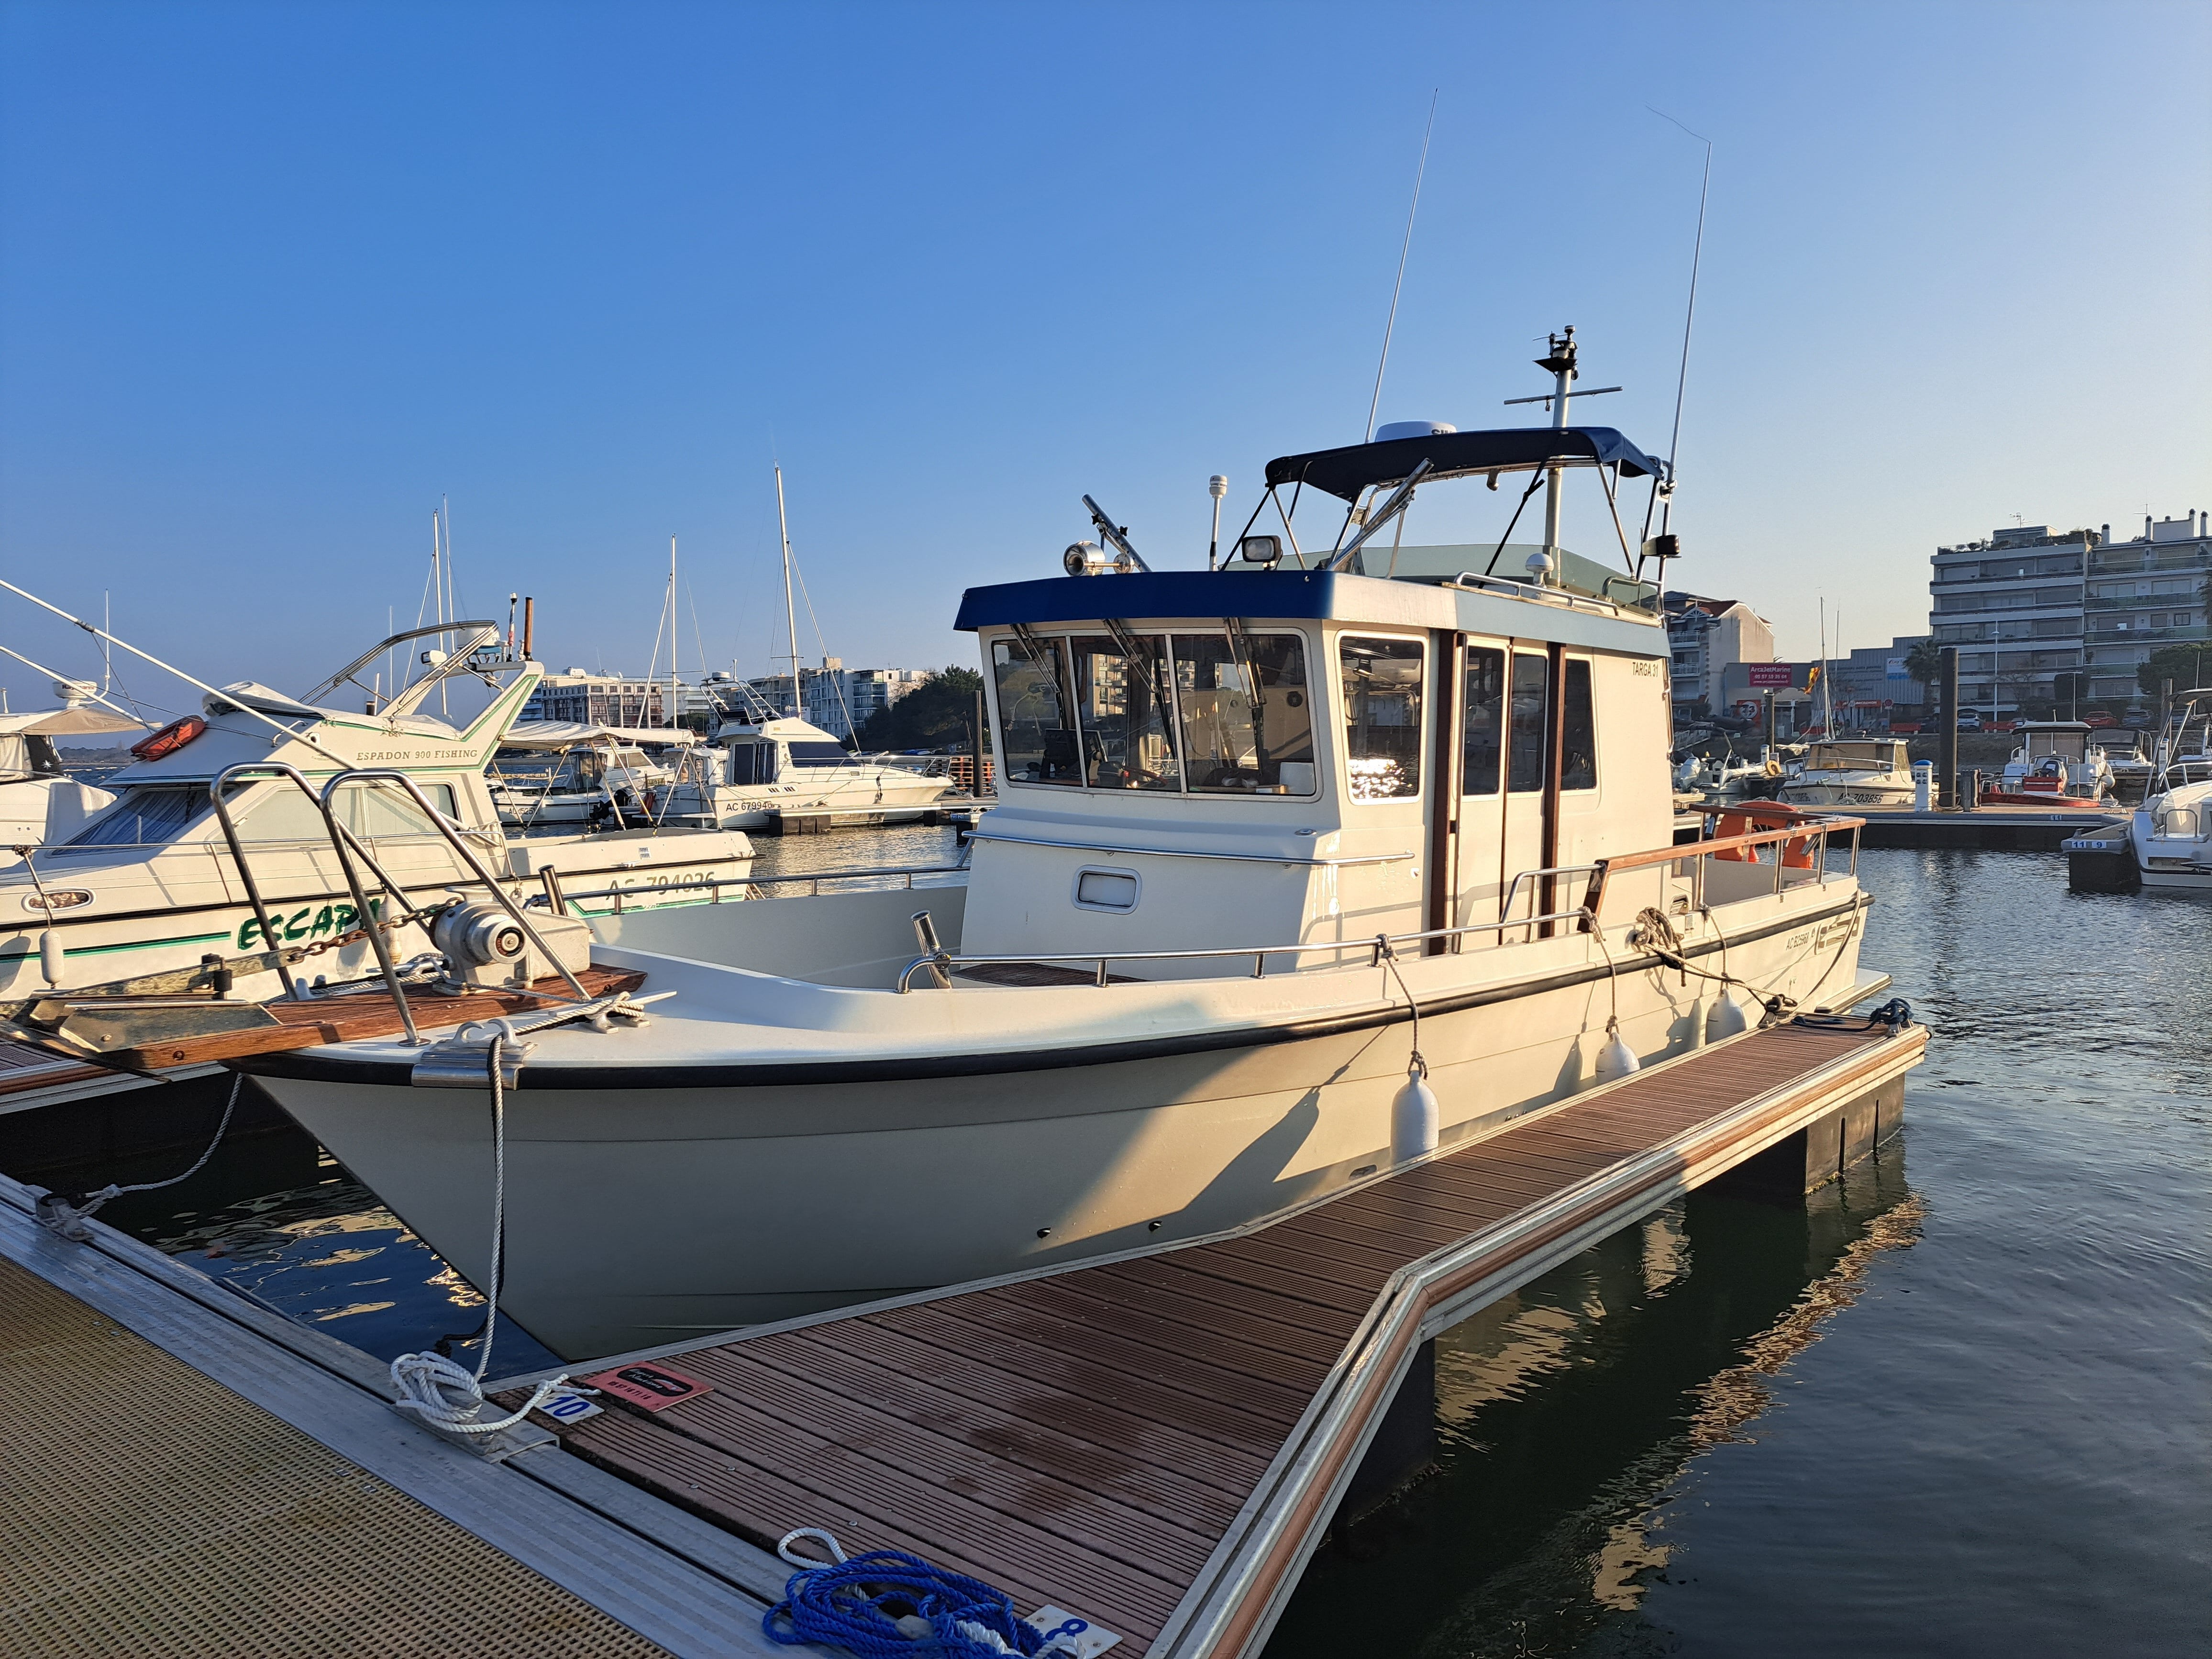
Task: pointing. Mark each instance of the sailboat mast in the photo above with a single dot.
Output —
(675, 697)
(790, 613)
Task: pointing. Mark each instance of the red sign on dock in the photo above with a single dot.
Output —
(649, 1388)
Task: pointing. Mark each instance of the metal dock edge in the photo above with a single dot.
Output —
(685, 1588)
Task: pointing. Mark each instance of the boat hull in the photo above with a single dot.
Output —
(645, 1213)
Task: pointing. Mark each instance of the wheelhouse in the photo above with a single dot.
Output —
(1321, 747)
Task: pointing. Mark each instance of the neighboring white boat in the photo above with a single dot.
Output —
(772, 762)
(150, 887)
(2170, 833)
(1852, 772)
(2055, 760)
(780, 765)
(2131, 768)
(40, 802)
(1162, 1005)
(596, 774)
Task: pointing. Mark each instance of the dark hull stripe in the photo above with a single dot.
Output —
(324, 1066)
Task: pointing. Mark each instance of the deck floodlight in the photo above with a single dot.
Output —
(1260, 549)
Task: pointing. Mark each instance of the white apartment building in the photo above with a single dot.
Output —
(2012, 605)
(597, 699)
(2145, 594)
(839, 700)
(1707, 638)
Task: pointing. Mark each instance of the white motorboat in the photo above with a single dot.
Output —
(588, 773)
(150, 894)
(2170, 835)
(1273, 844)
(2054, 764)
(2131, 768)
(768, 766)
(39, 801)
(772, 762)
(1852, 772)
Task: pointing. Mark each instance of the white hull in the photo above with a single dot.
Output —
(1853, 789)
(891, 791)
(692, 1209)
(162, 914)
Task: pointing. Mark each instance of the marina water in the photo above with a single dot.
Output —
(1954, 1405)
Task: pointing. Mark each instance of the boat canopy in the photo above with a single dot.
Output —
(68, 723)
(1346, 472)
(573, 734)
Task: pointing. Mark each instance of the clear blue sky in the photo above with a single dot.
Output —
(275, 278)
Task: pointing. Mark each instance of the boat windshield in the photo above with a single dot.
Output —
(151, 815)
(2067, 746)
(821, 754)
(1195, 714)
(1852, 758)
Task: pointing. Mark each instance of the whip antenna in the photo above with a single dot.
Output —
(1682, 379)
(1419, 171)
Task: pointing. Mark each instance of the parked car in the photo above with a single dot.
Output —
(1970, 722)
(2099, 721)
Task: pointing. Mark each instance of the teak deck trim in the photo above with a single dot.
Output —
(983, 1424)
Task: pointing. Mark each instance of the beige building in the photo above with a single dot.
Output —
(1707, 637)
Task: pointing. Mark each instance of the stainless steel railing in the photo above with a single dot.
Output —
(558, 895)
(347, 846)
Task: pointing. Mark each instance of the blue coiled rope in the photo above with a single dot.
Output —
(859, 1603)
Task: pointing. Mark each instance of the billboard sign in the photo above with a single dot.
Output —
(1767, 676)
(1897, 669)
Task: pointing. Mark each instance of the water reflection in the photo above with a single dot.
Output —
(1567, 1413)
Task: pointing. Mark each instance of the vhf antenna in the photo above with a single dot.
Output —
(1419, 172)
(1682, 379)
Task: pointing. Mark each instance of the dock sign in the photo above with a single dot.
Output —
(649, 1388)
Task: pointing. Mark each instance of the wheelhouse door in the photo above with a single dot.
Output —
(1524, 806)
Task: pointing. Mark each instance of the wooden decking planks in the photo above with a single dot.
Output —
(1088, 1438)
(356, 1015)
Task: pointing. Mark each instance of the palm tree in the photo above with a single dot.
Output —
(1924, 662)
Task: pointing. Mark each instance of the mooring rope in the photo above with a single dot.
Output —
(1390, 960)
(887, 1604)
(67, 1216)
(435, 1388)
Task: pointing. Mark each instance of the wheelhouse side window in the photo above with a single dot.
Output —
(150, 815)
(1382, 684)
(1526, 758)
(1578, 738)
(1247, 713)
(1127, 711)
(821, 754)
(1482, 741)
(1037, 723)
(372, 811)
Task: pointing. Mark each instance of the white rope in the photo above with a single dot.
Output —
(435, 1388)
(68, 1219)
